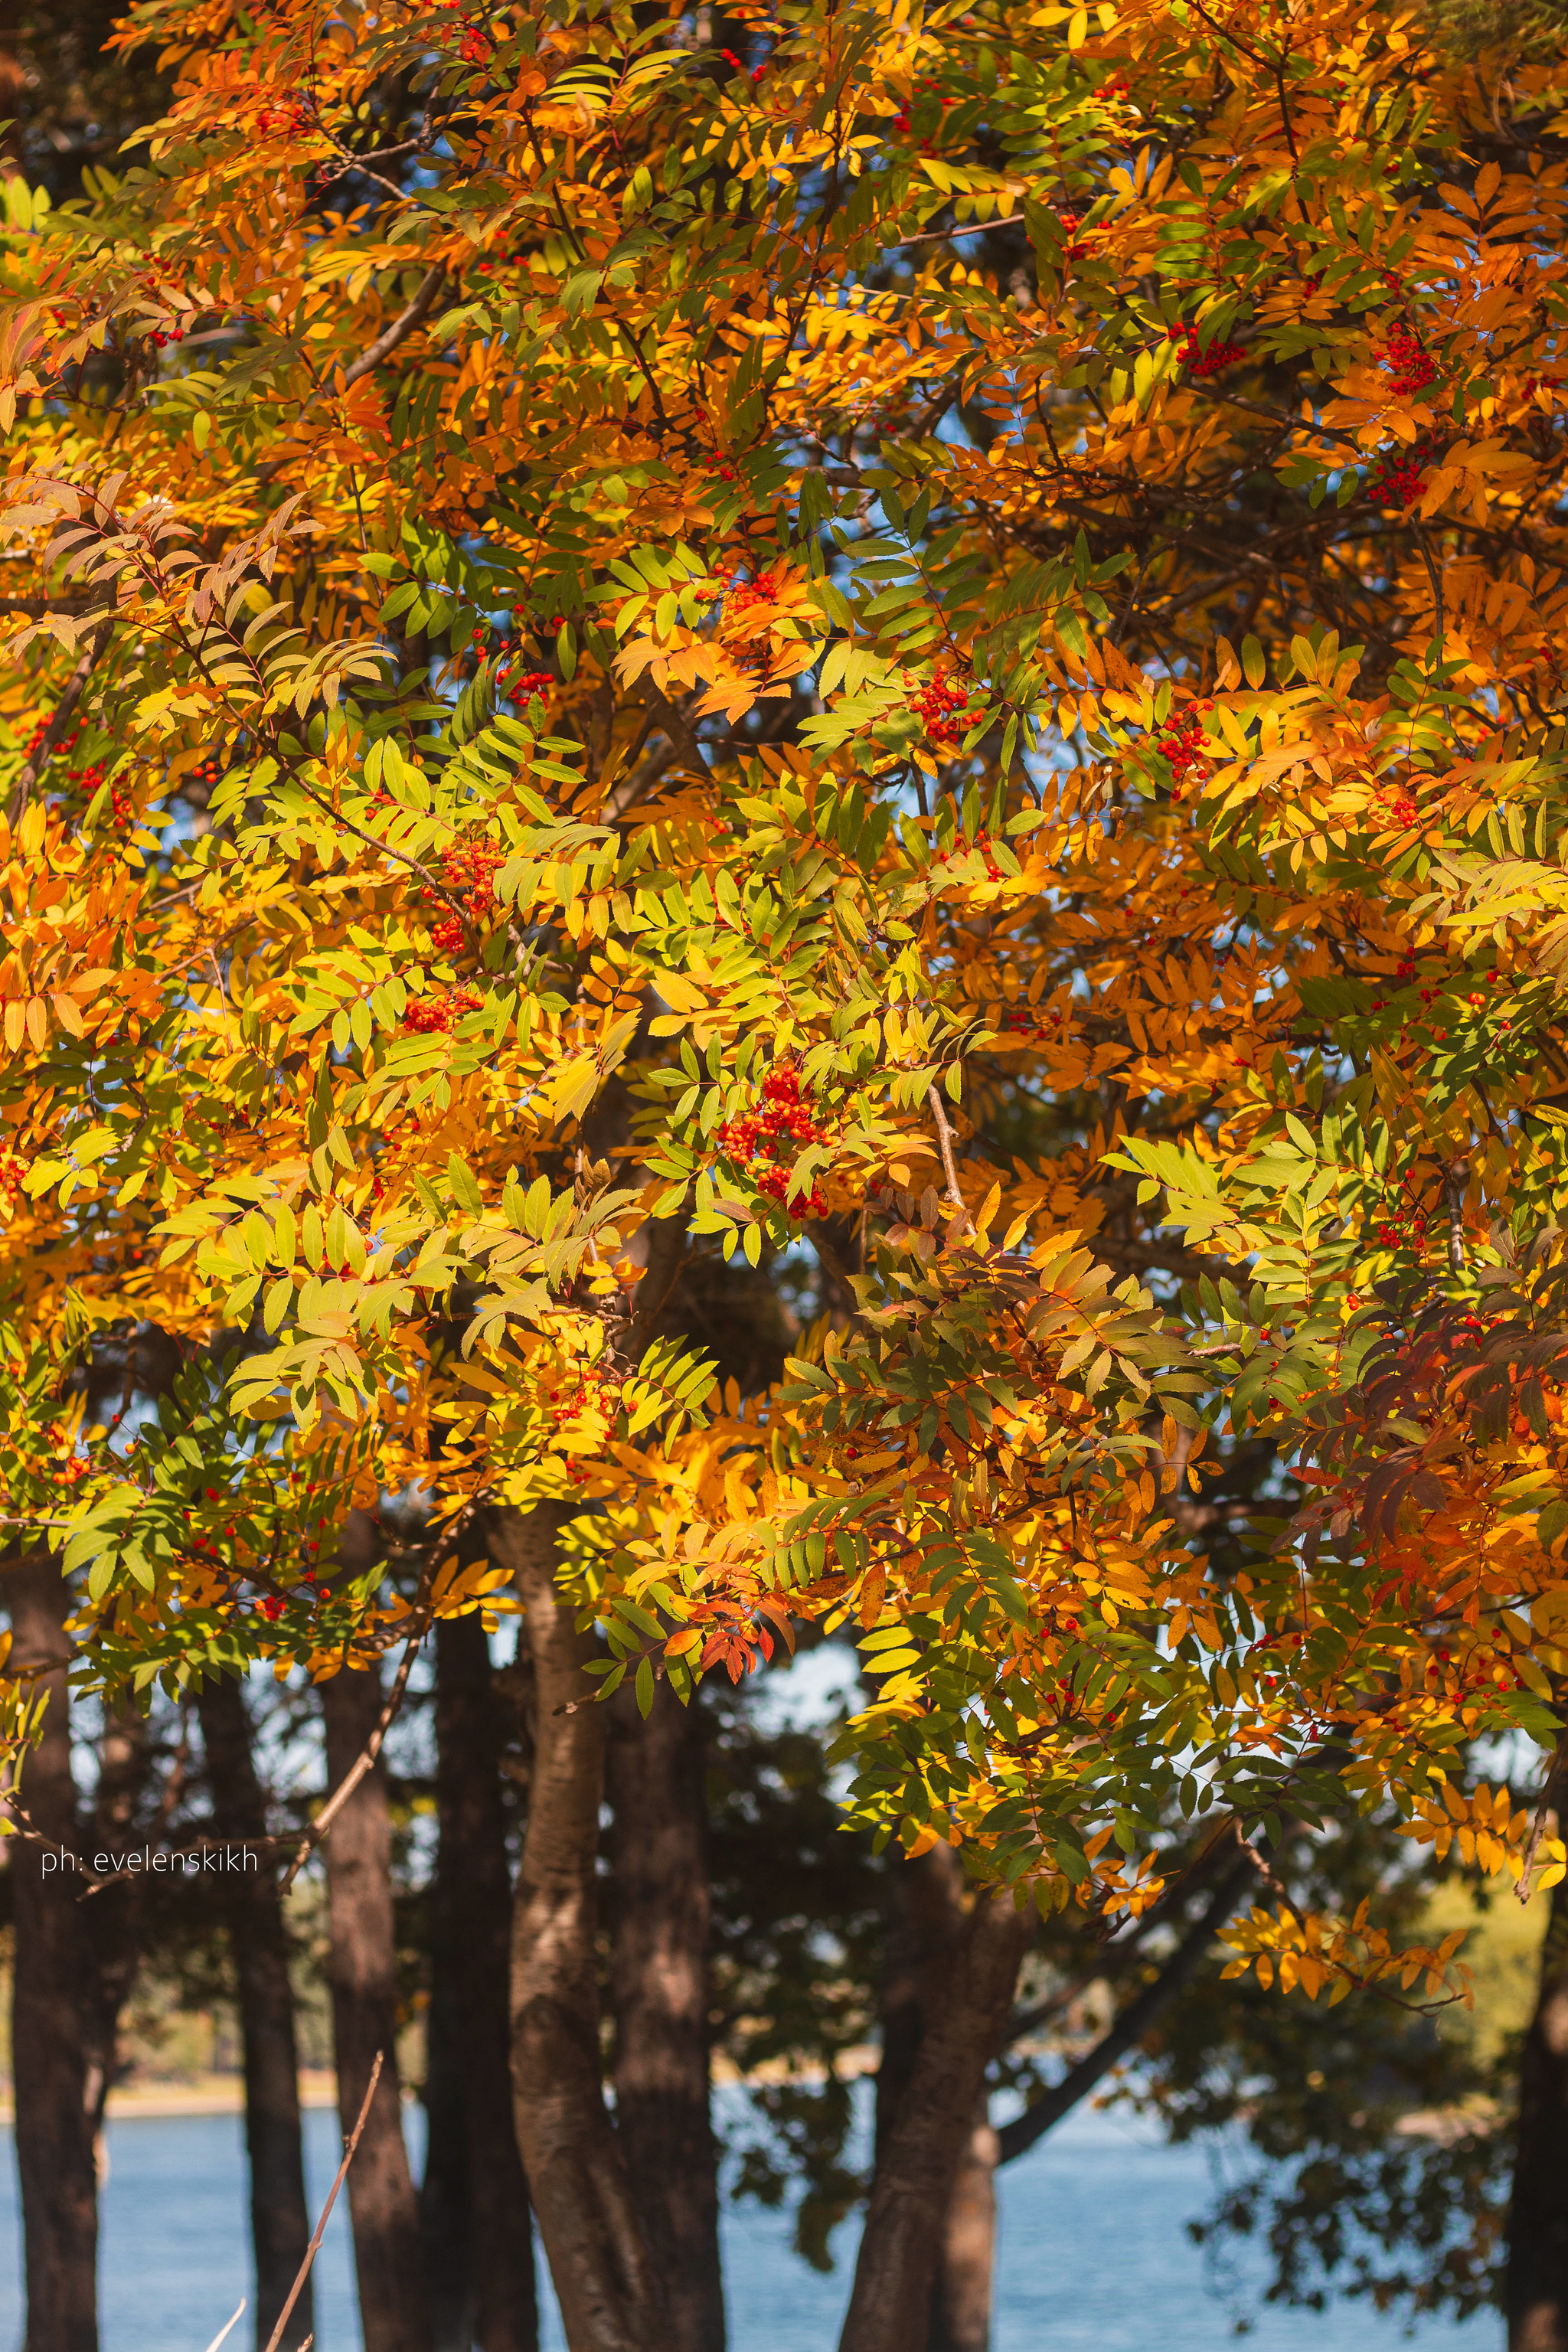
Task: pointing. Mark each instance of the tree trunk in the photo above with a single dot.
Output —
(55, 2098)
(890, 2306)
(660, 1996)
(258, 1940)
(961, 2300)
(471, 2095)
(1536, 2293)
(607, 2286)
(927, 1922)
(383, 2208)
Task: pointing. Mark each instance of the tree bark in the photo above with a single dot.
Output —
(1536, 2290)
(55, 2097)
(383, 2208)
(660, 1997)
(607, 2285)
(472, 1934)
(890, 2306)
(960, 2301)
(258, 1940)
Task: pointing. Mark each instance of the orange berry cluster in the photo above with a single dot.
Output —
(429, 1015)
(11, 1174)
(940, 706)
(1181, 741)
(1208, 361)
(1406, 362)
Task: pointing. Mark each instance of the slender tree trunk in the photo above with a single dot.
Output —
(258, 1940)
(446, 2212)
(926, 1924)
(382, 2207)
(961, 2299)
(471, 2104)
(660, 1995)
(55, 2098)
(605, 2280)
(1536, 2295)
(890, 2305)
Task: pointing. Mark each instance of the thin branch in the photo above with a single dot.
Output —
(402, 327)
(276, 2338)
(323, 1822)
(65, 710)
(949, 1166)
(1134, 2021)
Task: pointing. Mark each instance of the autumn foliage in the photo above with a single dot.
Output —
(928, 638)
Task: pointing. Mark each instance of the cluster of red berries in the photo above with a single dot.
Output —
(122, 807)
(1024, 1017)
(207, 771)
(283, 121)
(744, 593)
(1400, 806)
(1402, 1224)
(159, 336)
(1074, 246)
(925, 87)
(941, 708)
(590, 1395)
(784, 1117)
(430, 1015)
(1401, 477)
(469, 869)
(962, 847)
(1208, 361)
(1407, 364)
(11, 1174)
(1181, 741)
(738, 63)
(65, 743)
(475, 45)
(1533, 383)
(776, 1182)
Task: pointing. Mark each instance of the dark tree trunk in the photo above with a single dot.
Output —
(605, 2278)
(445, 2211)
(280, 2220)
(660, 1996)
(56, 2098)
(383, 2208)
(924, 1928)
(918, 2164)
(961, 2299)
(1536, 2295)
(470, 2093)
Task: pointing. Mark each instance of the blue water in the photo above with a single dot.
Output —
(1093, 2250)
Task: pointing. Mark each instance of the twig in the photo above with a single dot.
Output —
(63, 711)
(218, 2339)
(949, 1166)
(357, 1770)
(401, 328)
(304, 2271)
(1456, 1177)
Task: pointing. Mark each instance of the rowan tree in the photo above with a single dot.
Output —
(928, 641)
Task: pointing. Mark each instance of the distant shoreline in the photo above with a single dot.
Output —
(201, 2094)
